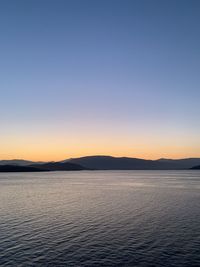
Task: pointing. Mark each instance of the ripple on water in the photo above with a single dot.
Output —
(130, 218)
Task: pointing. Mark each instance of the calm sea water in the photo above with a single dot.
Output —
(100, 218)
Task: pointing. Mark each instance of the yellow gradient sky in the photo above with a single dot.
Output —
(55, 145)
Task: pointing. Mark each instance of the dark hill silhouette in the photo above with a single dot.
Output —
(17, 162)
(124, 163)
(50, 166)
(113, 163)
(59, 166)
(196, 167)
(181, 163)
(105, 163)
(15, 168)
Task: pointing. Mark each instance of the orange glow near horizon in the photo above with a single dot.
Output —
(51, 150)
(58, 143)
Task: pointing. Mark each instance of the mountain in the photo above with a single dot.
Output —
(114, 163)
(125, 163)
(105, 163)
(181, 163)
(196, 167)
(59, 166)
(15, 168)
(50, 166)
(18, 162)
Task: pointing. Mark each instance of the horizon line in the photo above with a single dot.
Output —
(100, 155)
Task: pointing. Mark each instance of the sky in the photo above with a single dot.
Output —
(99, 77)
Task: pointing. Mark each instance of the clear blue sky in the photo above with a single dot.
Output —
(83, 77)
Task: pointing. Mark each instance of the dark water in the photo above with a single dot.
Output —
(111, 218)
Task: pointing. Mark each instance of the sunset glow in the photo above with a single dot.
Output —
(99, 78)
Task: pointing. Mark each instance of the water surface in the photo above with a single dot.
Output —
(100, 218)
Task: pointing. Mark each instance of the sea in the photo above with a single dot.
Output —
(100, 218)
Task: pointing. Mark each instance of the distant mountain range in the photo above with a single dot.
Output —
(196, 167)
(38, 167)
(100, 163)
(125, 163)
(17, 162)
(17, 168)
(59, 166)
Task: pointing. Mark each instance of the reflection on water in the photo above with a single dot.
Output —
(100, 218)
